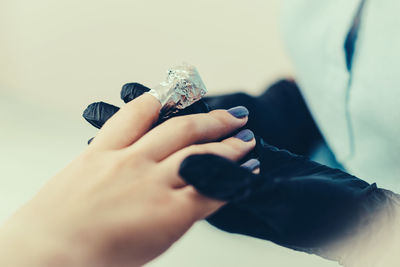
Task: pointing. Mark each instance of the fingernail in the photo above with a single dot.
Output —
(245, 135)
(239, 112)
(251, 164)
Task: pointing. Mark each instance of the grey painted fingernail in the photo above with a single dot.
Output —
(239, 112)
(245, 135)
(251, 164)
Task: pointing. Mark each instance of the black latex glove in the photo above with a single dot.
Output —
(293, 202)
(98, 113)
(280, 116)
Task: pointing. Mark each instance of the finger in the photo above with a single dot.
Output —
(252, 165)
(180, 132)
(129, 124)
(232, 148)
(217, 177)
(98, 113)
(131, 91)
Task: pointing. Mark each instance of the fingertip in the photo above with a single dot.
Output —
(251, 164)
(243, 140)
(131, 91)
(98, 113)
(228, 119)
(239, 112)
(245, 135)
(216, 177)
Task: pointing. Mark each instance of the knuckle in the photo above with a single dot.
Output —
(238, 149)
(221, 116)
(199, 149)
(133, 157)
(237, 145)
(192, 149)
(184, 124)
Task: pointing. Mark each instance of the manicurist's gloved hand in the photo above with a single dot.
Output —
(279, 115)
(295, 202)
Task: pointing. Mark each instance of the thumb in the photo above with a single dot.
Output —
(217, 177)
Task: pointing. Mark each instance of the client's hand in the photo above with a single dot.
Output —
(122, 201)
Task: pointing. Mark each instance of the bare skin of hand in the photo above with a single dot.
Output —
(121, 202)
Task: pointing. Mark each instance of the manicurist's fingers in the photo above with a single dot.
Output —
(97, 114)
(130, 123)
(184, 131)
(233, 148)
(131, 91)
(217, 177)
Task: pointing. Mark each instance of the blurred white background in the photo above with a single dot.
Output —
(56, 57)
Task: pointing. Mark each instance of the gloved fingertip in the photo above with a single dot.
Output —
(217, 177)
(131, 91)
(91, 114)
(98, 113)
(88, 112)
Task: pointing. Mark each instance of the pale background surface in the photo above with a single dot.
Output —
(58, 56)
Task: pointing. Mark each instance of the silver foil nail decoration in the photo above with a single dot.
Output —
(182, 87)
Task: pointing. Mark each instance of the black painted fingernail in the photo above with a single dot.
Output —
(239, 112)
(251, 164)
(245, 135)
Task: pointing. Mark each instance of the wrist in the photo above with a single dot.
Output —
(24, 242)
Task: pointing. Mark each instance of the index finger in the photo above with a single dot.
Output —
(130, 123)
(179, 132)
